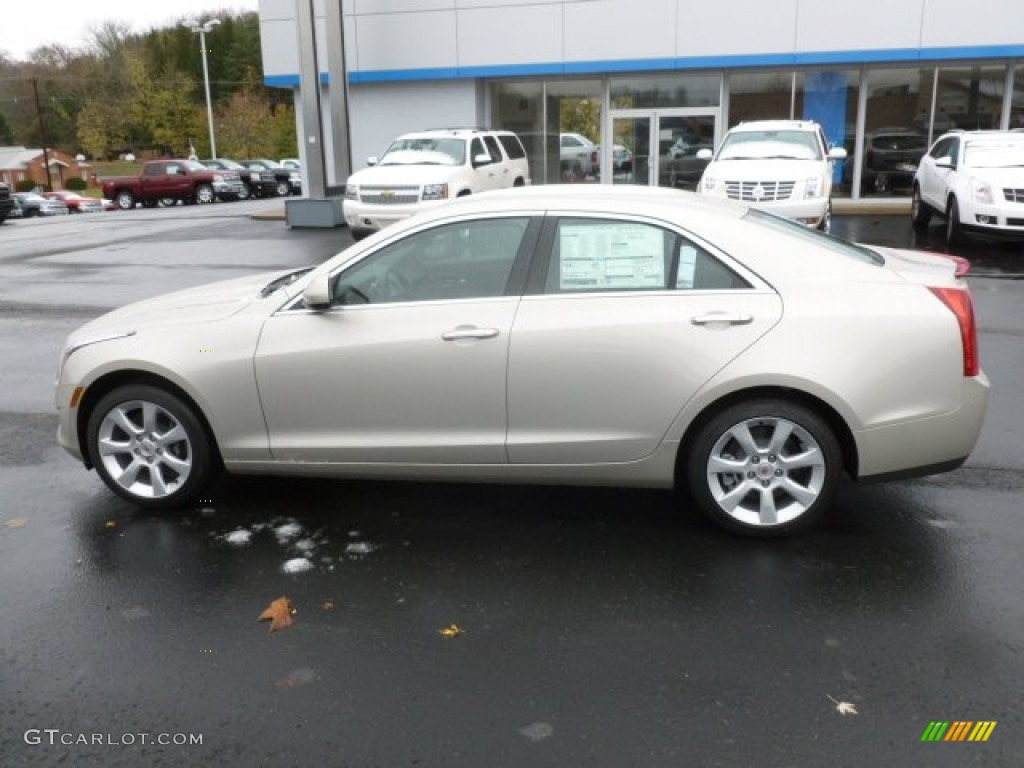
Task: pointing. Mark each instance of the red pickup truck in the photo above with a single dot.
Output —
(172, 180)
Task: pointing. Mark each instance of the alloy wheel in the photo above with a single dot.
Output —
(144, 449)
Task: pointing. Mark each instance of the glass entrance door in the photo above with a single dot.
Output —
(659, 147)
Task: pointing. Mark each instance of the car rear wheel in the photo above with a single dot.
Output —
(954, 232)
(125, 200)
(149, 446)
(283, 189)
(920, 213)
(245, 192)
(766, 467)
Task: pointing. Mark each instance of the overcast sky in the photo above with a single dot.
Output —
(27, 24)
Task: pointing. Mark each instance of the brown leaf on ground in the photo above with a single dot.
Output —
(452, 631)
(279, 613)
(328, 605)
(16, 522)
(110, 525)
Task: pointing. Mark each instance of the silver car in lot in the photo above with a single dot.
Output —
(584, 335)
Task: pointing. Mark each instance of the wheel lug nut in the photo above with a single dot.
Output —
(750, 475)
(755, 460)
(765, 483)
(771, 459)
(778, 473)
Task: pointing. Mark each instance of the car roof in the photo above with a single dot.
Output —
(454, 133)
(775, 125)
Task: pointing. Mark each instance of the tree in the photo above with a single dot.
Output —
(6, 134)
(243, 126)
(102, 129)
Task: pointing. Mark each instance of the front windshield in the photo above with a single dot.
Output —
(231, 165)
(820, 239)
(425, 151)
(194, 165)
(1008, 153)
(770, 145)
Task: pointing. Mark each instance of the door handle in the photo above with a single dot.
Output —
(458, 334)
(728, 318)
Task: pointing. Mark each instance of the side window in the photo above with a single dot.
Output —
(173, 170)
(492, 148)
(607, 255)
(153, 169)
(513, 147)
(476, 148)
(941, 148)
(464, 260)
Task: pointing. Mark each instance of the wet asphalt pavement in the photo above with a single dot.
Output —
(601, 627)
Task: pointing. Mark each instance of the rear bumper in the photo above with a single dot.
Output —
(925, 446)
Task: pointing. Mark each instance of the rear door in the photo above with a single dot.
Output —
(623, 322)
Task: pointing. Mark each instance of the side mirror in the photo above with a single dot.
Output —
(944, 162)
(837, 153)
(317, 294)
(481, 159)
(704, 154)
(372, 160)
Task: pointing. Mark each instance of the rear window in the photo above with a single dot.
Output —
(820, 239)
(513, 147)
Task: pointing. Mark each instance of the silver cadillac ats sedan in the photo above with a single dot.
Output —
(564, 334)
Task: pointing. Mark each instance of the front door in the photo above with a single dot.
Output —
(659, 147)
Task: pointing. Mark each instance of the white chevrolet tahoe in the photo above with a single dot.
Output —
(427, 168)
(784, 167)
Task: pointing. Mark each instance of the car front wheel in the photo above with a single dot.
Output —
(283, 189)
(954, 232)
(149, 446)
(920, 213)
(766, 467)
(125, 200)
(825, 225)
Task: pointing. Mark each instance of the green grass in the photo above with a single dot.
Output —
(117, 168)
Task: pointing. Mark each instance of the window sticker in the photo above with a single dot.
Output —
(687, 267)
(610, 256)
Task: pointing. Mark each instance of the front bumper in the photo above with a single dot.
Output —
(1000, 220)
(368, 217)
(230, 190)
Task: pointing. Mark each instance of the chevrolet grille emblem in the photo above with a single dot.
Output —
(387, 193)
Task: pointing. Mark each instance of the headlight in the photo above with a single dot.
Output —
(218, 179)
(708, 183)
(981, 191)
(351, 192)
(293, 176)
(71, 348)
(254, 177)
(435, 191)
(813, 186)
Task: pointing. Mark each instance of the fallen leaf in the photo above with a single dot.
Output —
(16, 522)
(843, 707)
(279, 613)
(452, 631)
(110, 525)
(328, 605)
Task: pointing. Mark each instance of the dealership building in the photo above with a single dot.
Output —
(639, 77)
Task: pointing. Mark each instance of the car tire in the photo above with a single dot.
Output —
(205, 194)
(149, 446)
(168, 202)
(283, 189)
(245, 193)
(825, 225)
(125, 200)
(765, 467)
(954, 232)
(920, 213)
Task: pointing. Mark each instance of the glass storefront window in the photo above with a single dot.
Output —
(895, 130)
(829, 98)
(760, 96)
(969, 98)
(519, 107)
(573, 130)
(665, 92)
(1017, 105)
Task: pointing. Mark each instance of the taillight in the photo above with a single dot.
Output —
(959, 302)
(963, 266)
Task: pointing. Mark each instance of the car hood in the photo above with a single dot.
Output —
(203, 304)
(1000, 177)
(405, 174)
(764, 170)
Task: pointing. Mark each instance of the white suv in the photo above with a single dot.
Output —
(427, 168)
(975, 180)
(782, 166)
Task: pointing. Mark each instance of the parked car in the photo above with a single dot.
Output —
(291, 163)
(75, 202)
(588, 334)
(891, 156)
(286, 181)
(423, 169)
(975, 181)
(7, 204)
(15, 211)
(782, 166)
(580, 157)
(254, 184)
(168, 180)
(33, 204)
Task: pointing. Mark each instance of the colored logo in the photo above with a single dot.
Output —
(959, 730)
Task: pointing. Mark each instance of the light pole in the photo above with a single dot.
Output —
(202, 29)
